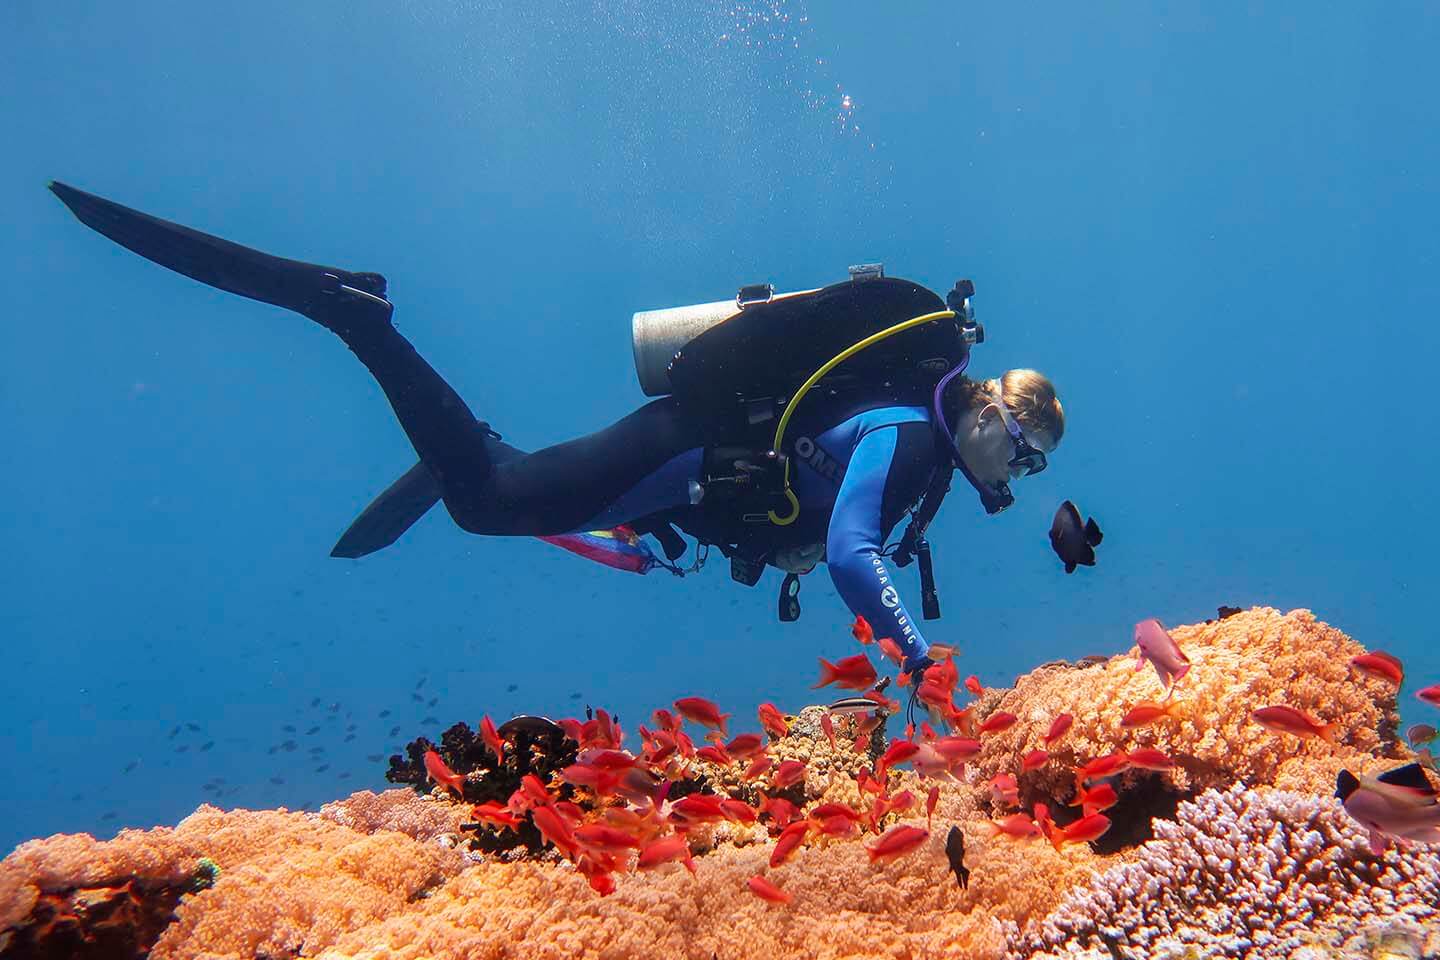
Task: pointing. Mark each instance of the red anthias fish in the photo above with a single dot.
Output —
(862, 632)
(494, 814)
(1005, 790)
(1034, 760)
(1058, 728)
(997, 721)
(702, 711)
(1093, 799)
(1016, 825)
(892, 651)
(897, 842)
(1148, 758)
(758, 767)
(931, 799)
(666, 850)
(899, 752)
(1108, 765)
(715, 755)
(972, 683)
(443, 775)
(1147, 712)
(766, 890)
(789, 841)
(787, 773)
(604, 838)
(1283, 719)
(772, 721)
(554, 828)
(1381, 665)
(491, 737)
(851, 673)
(1087, 828)
(1430, 694)
(698, 808)
(779, 810)
(1161, 651)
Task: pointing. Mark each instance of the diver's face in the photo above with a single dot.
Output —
(988, 447)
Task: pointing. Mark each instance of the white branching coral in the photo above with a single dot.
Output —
(1251, 873)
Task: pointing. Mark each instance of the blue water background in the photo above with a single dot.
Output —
(1215, 229)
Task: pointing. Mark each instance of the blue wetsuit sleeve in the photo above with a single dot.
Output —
(854, 542)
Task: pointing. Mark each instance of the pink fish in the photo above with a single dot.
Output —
(1399, 804)
(1161, 651)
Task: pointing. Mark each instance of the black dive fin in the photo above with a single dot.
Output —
(292, 284)
(390, 514)
(403, 503)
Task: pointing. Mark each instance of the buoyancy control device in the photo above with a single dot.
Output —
(742, 366)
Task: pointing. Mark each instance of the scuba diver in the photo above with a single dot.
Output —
(788, 430)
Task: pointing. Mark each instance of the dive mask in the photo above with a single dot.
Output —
(1028, 459)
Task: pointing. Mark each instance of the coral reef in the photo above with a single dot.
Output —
(1242, 661)
(1239, 852)
(1262, 870)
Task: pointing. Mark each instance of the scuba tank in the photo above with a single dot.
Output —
(742, 366)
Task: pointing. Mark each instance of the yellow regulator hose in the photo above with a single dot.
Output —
(815, 378)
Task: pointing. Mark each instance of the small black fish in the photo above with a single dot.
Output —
(417, 698)
(193, 727)
(312, 731)
(206, 745)
(375, 757)
(350, 728)
(395, 731)
(273, 749)
(277, 780)
(289, 746)
(334, 707)
(384, 714)
(174, 732)
(433, 701)
(574, 696)
(349, 737)
(322, 768)
(131, 765)
(109, 816)
(183, 748)
(317, 749)
(420, 683)
(343, 776)
(955, 853)
(512, 688)
(288, 728)
(1074, 543)
(431, 720)
(315, 702)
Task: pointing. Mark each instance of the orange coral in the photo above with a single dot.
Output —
(1244, 661)
(373, 876)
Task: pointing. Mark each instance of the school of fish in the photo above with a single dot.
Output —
(629, 823)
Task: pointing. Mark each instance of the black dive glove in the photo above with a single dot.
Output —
(916, 668)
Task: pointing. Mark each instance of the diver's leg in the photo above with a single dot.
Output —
(441, 428)
(487, 486)
(559, 488)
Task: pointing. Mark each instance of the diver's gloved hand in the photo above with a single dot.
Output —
(916, 668)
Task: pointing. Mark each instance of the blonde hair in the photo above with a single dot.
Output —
(1029, 396)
